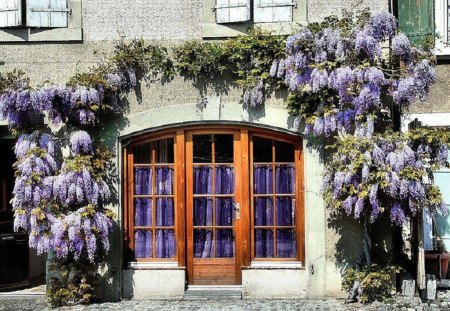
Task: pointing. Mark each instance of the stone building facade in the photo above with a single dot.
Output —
(170, 114)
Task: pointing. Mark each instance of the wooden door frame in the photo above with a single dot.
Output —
(243, 189)
(239, 229)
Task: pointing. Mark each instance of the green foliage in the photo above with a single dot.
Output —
(13, 80)
(375, 283)
(73, 284)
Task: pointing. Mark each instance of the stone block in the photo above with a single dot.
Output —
(408, 285)
(273, 283)
(148, 284)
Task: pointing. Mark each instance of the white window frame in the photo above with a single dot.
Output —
(442, 40)
(73, 31)
(212, 29)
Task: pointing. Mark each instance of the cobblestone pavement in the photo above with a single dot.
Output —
(412, 304)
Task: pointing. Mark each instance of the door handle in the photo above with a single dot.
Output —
(237, 209)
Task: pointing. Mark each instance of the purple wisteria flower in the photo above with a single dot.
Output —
(81, 143)
(401, 46)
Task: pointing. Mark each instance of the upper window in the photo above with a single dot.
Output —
(40, 20)
(260, 11)
(228, 18)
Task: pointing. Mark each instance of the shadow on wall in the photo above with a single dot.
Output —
(348, 248)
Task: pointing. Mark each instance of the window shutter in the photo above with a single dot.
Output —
(272, 11)
(416, 19)
(232, 11)
(47, 13)
(10, 13)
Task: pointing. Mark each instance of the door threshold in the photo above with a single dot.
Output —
(214, 287)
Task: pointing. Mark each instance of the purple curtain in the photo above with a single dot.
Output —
(263, 179)
(224, 180)
(165, 238)
(142, 212)
(143, 244)
(142, 180)
(164, 180)
(264, 238)
(203, 212)
(285, 179)
(202, 180)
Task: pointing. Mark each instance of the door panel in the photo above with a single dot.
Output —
(212, 207)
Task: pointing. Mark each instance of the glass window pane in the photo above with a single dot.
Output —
(224, 243)
(164, 150)
(143, 154)
(284, 152)
(165, 243)
(142, 180)
(264, 243)
(143, 247)
(285, 211)
(203, 243)
(224, 179)
(164, 212)
(202, 149)
(164, 180)
(285, 179)
(286, 244)
(262, 150)
(142, 212)
(203, 211)
(223, 148)
(263, 179)
(203, 180)
(224, 211)
(263, 211)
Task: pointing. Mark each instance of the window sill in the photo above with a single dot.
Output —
(213, 30)
(153, 266)
(40, 34)
(273, 265)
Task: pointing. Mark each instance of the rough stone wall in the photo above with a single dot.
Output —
(438, 99)
(319, 9)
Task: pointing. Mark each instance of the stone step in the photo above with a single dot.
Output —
(213, 292)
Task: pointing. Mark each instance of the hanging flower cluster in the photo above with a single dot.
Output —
(61, 206)
(75, 105)
(386, 174)
(339, 77)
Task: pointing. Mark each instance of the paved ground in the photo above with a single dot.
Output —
(38, 303)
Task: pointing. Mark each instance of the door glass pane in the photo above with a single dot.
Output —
(285, 211)
(143, 154)
(224, 243)
(164, 150)
(286, 244)
(264, 243)
(284, 152)
(143, 244)
(224, 179)
(202, 148)
(165, 243)
(164, 180)
(263, 179)
(203, 211)
(224, 211)
(203, 176)
(164, 212)
(223, 148)
(263, 211)
(142, 180)
(203, 243)
(262, 150)
(142, 212)
(285, 179)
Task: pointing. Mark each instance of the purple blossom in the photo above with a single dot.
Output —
(401, 46)
(406, 91)
(367, 44)
(319, 79)
(383, 25)
(81, 143)
(398, 214)
(255, 96)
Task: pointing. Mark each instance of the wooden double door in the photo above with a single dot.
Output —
(217, 212)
